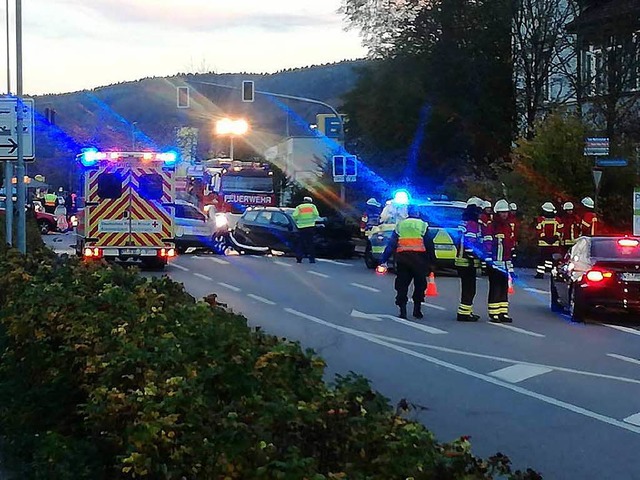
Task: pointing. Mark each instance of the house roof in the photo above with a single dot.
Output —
(624, 14)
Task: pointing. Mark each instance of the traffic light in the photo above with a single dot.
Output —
(248, 91)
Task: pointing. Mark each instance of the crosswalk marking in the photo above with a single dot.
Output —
(519, 372)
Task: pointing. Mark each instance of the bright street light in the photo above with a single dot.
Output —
(233, 128)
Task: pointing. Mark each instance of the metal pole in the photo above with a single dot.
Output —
(21, 191)
(231, 147)
(8, 166)
(133, 136)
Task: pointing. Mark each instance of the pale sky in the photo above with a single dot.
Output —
(70, 45)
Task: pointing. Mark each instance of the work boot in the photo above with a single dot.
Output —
(468, 318)
(417, 312)
(403, 311)
(474, 317)
(504, 318)
(495, 319)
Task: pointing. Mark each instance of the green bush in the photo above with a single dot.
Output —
(107, 375)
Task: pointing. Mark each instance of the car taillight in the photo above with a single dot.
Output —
(597, 276)
(92, 252)
(167, 252)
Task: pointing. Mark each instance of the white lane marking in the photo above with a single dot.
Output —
(179, 267)
(519, 372)
(219, 260)
(486, 378)
(204, 277)
(633, 419)
(537, 290)
(623, 329)
(318, 274)
(364, 287)
(284, 264)
(367, 316)
(436, 307)
(623, 358)
(505, 360)
(335, 262)
(261, 299)
(417, 326)
(516, 329)
(230, 287)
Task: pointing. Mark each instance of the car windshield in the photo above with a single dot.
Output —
(443, 216)
(615, 248)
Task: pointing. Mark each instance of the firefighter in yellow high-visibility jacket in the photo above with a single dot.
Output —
(305, 215)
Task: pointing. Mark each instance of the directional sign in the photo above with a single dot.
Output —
(9, 130)
(636, 211)
(596, 147)
(611, 162)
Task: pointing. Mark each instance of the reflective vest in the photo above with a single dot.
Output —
(411, 232)
(50, 199)
(589, 224)
(305, 215)
(501, 242)
(570, 229)
(469, 245)
(549, 230)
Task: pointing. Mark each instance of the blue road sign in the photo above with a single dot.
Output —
(332, 127)
(612, 162)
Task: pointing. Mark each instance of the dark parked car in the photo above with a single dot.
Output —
(598, 274)
(46, 221)
(269, 229)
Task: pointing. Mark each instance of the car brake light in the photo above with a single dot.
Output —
(628, 242)
(94, 252)
(167, 252)
(596, 276)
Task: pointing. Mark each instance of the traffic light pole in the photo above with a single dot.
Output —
(21, 190)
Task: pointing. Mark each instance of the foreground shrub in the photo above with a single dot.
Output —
(107, 375)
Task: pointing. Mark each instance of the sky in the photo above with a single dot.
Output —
(70, 45)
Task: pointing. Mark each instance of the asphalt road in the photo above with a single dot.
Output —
(559, 397)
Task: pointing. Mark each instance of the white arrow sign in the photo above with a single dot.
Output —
(8, 128)
(379, 316)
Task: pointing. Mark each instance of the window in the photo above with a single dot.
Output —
(609, 248)
(151, 186)
(110, 185)
(188, 212)
(441, 216)
(280, 219)
(245, 184)
(264, 218)
(250, 216)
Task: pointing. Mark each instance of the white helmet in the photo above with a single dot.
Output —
(475, 201)
(567, 206)
(307, 199)
(548, 207)
(513, 207)
(501, 206)
(486, 204)
(373, 202)
(588, 202)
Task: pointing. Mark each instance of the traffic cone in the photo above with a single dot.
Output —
(432, 289)
(511, 290)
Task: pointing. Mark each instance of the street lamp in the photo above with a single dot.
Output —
(233, 128)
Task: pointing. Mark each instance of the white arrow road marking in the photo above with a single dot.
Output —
(537, 290)
(219, 261)
(380, 316)
(519, 372)
(367, 316)
(633, 419)
(335, 262)
(179, 267)
(284, 264)
(261, 299)
(230, 287)
(470, 373)
(623, 329)
(623, 358)
(431, 305)
(204, 277)
(318, 274)
(516, 329)
(365, 287)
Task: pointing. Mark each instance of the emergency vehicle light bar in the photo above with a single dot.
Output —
(91, 156)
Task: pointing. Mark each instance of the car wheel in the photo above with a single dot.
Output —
(555, 305)
(155, 264)
(220, 243)
(369, 261)
(181, 250)
(577, 310)
(44, 226)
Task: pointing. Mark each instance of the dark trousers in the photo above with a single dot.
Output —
(545, 262)
(305, 245)
(498, 302)
(411, 267)
(467, 289)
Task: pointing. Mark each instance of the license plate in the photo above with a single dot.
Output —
(630, 277)
(130, 251)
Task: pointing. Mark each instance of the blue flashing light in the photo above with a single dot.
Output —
(169, 158)
(89, 157)
(401, 197)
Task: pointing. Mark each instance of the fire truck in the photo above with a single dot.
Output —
(127, 207)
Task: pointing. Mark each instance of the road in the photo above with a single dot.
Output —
(559, 397)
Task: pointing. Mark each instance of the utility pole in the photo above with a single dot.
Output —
(8, 166)
(21, 190)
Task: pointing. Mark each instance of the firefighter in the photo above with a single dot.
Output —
(486, 215)
(589, 221)
(549, 229)
(468, 258)
(371, 216)
(571, 226)
(305, 215)
(50, 200)
(414, 258)
(498, 257)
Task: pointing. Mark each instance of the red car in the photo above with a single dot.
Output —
(46, 221)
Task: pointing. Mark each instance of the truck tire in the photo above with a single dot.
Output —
(369, 261)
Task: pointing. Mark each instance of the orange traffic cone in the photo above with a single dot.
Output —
(511, 289)
(432, 289)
